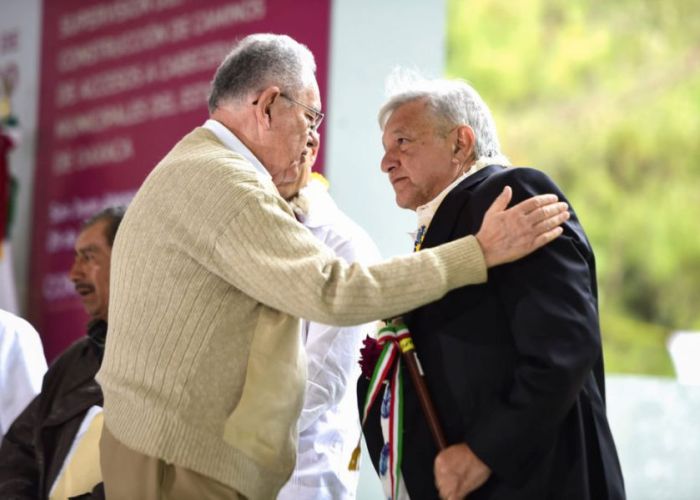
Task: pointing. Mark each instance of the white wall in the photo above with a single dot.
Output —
(368, 39)
(654, 421)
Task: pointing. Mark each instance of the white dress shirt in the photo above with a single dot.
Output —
(22, 367)
(329, 426)
(232, 142)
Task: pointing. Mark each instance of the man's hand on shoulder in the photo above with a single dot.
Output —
(508, 234)
(458, 472)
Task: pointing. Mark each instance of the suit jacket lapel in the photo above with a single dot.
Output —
(443, 224)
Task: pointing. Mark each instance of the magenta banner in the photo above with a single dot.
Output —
(121, 82)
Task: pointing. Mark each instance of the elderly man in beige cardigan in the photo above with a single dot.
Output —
(204, 373)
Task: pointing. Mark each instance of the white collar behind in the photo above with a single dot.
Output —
(232, 142)
(425, 213)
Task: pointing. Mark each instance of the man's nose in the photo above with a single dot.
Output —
(313, 139)
(388, 162)
(75, 271)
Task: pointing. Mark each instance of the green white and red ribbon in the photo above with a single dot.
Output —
(393, 339)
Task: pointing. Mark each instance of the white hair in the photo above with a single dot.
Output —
(258, 61)
(454, 102)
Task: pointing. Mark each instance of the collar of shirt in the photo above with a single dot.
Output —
(232, 142)
(425, 213)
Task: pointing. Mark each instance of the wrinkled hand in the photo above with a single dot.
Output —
(510, 234)
(458, 472)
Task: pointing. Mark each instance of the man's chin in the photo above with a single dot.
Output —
(402, 203)
(287, 190)
(89, 307)
(95, 314)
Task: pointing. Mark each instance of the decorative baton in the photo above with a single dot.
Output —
(410, 357)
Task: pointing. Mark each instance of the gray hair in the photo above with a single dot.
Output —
(454, 102)
(112, 216)
(258, 61)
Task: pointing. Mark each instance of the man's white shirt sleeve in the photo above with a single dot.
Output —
(22, 367)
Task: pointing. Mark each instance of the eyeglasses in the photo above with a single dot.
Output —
(315, 122)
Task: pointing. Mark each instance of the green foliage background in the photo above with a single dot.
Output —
(605, 98)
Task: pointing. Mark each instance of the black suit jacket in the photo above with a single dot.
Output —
(514, 366)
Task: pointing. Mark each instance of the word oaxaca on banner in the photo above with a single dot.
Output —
(121, 83)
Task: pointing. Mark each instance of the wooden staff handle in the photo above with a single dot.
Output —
(410, 357)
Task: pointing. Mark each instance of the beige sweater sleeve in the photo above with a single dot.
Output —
(268, 255)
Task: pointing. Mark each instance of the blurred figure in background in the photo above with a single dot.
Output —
(51, 450)
(329, 425)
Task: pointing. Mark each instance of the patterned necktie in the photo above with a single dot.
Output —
(420, 236)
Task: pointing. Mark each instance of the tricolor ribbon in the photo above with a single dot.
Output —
(394, 339)
(396, 342)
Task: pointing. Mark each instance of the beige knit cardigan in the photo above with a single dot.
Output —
(210, 273)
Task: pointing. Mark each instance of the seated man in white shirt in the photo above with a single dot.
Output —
(329, 424)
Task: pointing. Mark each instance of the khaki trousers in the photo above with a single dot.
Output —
(130, 475)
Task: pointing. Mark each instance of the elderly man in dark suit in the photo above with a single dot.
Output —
(514, 366)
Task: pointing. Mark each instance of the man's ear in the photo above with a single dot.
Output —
(263, 105)
(464, 144)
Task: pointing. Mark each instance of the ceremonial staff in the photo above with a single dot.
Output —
(396, 344)
(392, 339)
(410, 356)
(415, 371)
